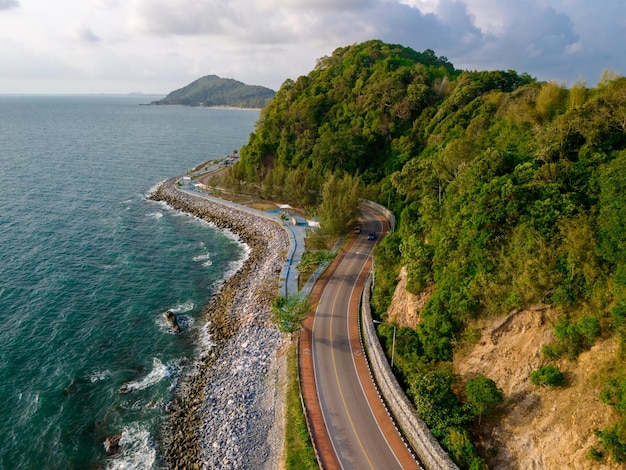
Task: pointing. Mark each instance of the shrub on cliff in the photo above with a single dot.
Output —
(548, 376)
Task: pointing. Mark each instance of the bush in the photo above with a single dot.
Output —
(594, 455)
(289, 312)
(458, 442)
(548, 376)
(614, 441)
(436, 403)
(572, 339)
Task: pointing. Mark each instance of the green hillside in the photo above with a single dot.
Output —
(509, 192)
(215, 91)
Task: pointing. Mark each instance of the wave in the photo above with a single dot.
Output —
(184, 307)
(152, 190)
(155, 215)
(206, 343)
(159, 372)
(99, 375)
(204, 257)
(138, 450)
(236, 265)
(184, 321)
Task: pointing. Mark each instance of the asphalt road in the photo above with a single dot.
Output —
(355, 432)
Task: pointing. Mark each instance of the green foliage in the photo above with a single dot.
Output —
(613, 440)
(314, 258)
(459, 445)
(509, 192)
(289, 312)
(614, 393)
(572, 339)
(417, 257)
(618, 315)
(551, 100)
(351, 113)
(612, 209)
(338, 211)
(299, 452)
(444, 414)
(435, 401)
(549, 376)
(594, 455)
(311, 261)
(483, 395)
(386, 271)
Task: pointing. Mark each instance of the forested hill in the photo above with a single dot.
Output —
(509, 192)
(215, 91)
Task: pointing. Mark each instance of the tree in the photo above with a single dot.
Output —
(417, 257)
(551, 100)
(577, 94)
(483, 395)
(339, 211)
(289, 312)
(612, 203)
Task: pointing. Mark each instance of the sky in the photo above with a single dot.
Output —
(156, 46)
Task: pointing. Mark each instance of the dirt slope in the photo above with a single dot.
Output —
(536, 428)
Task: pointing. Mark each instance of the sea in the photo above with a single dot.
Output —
(88, 265)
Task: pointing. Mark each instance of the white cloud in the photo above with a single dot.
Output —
(106, 3)
(184, 17)
(83, 33)
(9, 4)
(168, 43)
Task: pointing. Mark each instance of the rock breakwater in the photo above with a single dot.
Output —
(227, 412)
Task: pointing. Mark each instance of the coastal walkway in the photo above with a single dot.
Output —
(296, 234)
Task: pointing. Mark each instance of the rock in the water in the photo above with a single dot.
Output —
(172, 321)
(112, 444)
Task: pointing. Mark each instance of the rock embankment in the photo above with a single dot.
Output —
(227, 413)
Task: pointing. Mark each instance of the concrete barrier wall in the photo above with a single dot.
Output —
(382, 210)
(425, 446)
(414, 429)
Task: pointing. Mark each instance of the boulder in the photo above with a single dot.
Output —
(112, 444)
(172, 321)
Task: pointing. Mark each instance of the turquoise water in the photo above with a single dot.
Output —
(88, 266)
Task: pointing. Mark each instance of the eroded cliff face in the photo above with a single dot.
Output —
(535, 428)
(405, 307)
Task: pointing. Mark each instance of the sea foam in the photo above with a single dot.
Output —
(138, 450)
(99, 375)
(159, 372)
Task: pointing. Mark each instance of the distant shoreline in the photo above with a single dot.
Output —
(235, 108)
(232, 107)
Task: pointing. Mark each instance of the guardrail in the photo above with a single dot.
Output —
(412, 427)
(382, 210)
(428, 450)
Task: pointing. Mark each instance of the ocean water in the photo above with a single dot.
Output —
(88, 266)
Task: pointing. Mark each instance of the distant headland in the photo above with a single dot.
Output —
(212, 90)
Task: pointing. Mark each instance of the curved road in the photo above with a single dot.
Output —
(362, 436)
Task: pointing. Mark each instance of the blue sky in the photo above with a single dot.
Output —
(156, 46)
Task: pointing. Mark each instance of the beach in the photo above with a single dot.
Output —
(228, 409)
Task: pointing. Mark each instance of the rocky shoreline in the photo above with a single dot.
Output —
(228, 410)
